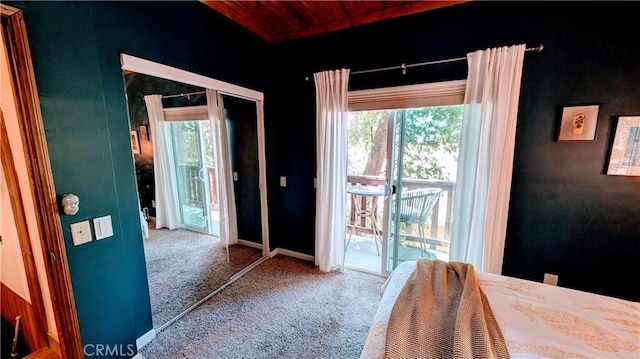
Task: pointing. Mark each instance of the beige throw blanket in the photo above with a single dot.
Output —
(442, 312)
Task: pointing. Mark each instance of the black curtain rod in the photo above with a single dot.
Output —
(187, 95)
(404, 67)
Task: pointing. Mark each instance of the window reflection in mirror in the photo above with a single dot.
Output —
(188, 263)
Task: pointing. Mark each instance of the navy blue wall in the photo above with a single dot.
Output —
(76, 49)
(566, 216)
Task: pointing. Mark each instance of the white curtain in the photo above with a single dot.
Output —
(224, 179)
(166, 193)
(481, 200)
(331, 137)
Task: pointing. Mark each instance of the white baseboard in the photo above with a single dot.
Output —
(244, 242)
(145, 339)
(286, 252)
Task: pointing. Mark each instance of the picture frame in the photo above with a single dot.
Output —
(135, 143)
(144, 134)
(625, 150)
(578, 123)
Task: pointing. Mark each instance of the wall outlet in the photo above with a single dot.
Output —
(551, 279)
(80, 233)
(235, 176)
(283, 181)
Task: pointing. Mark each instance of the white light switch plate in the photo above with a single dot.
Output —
(102, 226)
(80, 233)
(283, 181)
(235, 176)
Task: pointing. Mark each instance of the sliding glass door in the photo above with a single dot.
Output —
(421, 172)
(393, 183)
(195, 175)
(401, 174)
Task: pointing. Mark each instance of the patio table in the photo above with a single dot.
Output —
(364, 213)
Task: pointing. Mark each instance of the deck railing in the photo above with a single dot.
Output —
(193, 191)
(439, 223)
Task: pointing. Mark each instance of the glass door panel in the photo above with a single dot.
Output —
(366, 158)
(211, 189)
(395, 146)
(412, 155)
(191, 175)
(422, 171)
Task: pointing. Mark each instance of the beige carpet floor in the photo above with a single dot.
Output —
(283, 308)
(185, 266)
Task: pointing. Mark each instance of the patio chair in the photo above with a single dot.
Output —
(415, 208)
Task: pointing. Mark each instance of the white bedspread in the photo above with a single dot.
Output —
(537, 320)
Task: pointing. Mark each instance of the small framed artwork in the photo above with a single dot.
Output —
(144, 135)
(578, 123)
(135, 143)
(625, 151)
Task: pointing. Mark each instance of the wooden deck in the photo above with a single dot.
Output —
(437, 229)
(361, 253)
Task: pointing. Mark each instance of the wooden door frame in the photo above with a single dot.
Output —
(41, 183)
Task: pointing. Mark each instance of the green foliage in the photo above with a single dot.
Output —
(432, 141)
(432, 137)
(185, 142)
(362, 130)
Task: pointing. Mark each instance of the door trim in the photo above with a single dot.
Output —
(41, 182)
(38, 328)
(151, 68)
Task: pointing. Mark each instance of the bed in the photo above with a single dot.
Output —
(536, 320)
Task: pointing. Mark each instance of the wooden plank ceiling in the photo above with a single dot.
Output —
(275, 20)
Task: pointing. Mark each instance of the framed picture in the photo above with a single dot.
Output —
(625, 152)
(144, 135)
(578, 123)
(135, 143)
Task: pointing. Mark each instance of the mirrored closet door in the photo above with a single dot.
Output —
(198, 148)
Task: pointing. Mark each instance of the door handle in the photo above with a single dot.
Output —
(201, 174)
(389, 190)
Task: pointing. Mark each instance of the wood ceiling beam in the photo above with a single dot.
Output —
(267, 20)
(373, 6)
(259, 15)
(284, 14)
(320, 13)
(354, 7)
(278, 20)
(222, 8)
(388, 13)
(335, 9)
